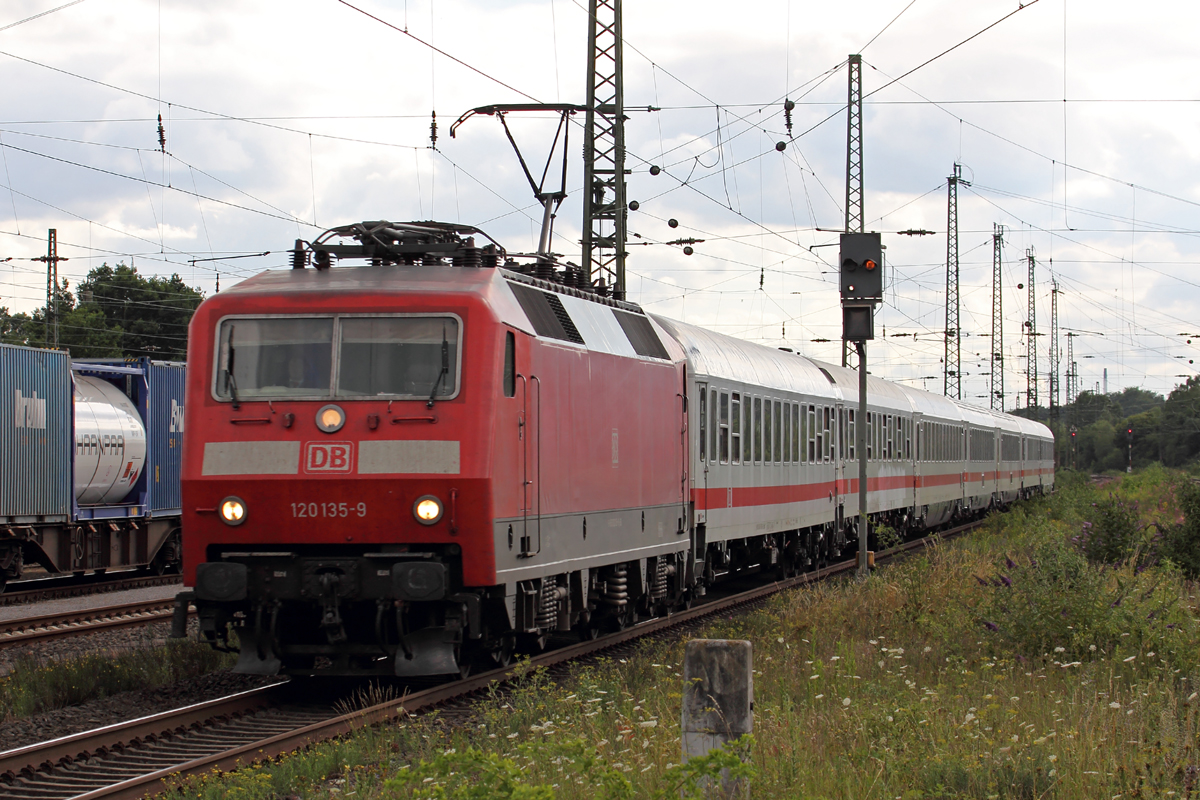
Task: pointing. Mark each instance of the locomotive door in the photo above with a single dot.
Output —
(529, 431)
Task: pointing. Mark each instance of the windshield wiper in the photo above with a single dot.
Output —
(230, 383)
(445, 368)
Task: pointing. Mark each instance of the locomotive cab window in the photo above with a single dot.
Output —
(268, 358)
(301, 357)
(510, 365)
(415, 356)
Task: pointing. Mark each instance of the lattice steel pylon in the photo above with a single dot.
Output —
(996, 387)
(604, 210)
(855, 219)
(1055, 356)
(952, 360)
(1031, 373)
(1072, 369)
(51, 260)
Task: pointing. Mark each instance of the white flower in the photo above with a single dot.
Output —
(928, 649)
(968, 719)
(650, 723)
(813, 677)
(845, 702)
(890, 719)
(1092, 647)
(780, 640)
(1193, 696)
(512, 735)
(1114, 704)
(1060, 649)
(1053, 758)
(1131, 658)
(818, 697)
(1016, 738)
(872, 641)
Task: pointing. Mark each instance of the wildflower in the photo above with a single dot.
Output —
(968, 719)
(513, 735)
(650, 723)
(1092, 647)
(779, 639)
(991, 626)
(1016, 738)
(1060, 649)
(1053, 758)
(1193, 696)
(1131, 658)
(818, 697)
(845, 702)
(1114, 704)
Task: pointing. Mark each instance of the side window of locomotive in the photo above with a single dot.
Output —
(735, 431)
(724, 432)
(275, 357)
(703, 414)
(408, 356)
(510, 365)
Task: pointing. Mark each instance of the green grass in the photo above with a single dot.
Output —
(35, 686)
(1005, 665)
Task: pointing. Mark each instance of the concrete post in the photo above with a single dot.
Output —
(718, 696)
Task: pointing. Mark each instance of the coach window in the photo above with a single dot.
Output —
(703, 413)
(758, 451)
(735, 431)
(724, 431)
(797, 457)
(510, 365)
(812, 434)
(747, 429)
(766, 459)
(712, 413)
(778, 432)
(830, 430)
(851, 441)
(787, 433)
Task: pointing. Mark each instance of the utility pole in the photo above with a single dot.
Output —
(51, 260)
(997, 387)
(1055, 356)
(1031, 374)
(855, 218)
(604, 210)
(1072, 369)
(952, 361)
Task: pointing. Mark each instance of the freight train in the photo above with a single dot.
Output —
(92, 454)
(422, 462)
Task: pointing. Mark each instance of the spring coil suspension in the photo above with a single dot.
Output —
(661, 573)
(547, 615)
(616, 586)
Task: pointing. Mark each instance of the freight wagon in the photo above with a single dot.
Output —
(91, 457)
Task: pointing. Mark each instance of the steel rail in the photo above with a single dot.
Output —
(119, 737)
(90, 620)
(36, 590)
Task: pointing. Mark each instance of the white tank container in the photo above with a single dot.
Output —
(110, 442)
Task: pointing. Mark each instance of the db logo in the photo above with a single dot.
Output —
(328, 456)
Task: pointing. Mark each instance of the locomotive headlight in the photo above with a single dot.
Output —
(331, 418)
(427, 509)
(233, 511)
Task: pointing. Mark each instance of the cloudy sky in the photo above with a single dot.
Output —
(1075, 124)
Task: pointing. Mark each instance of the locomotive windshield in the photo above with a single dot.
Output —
(347, 357)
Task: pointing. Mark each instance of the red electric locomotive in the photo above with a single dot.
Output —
(419, 464)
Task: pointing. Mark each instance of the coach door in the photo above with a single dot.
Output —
(919, 446)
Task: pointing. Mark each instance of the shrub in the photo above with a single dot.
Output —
(1181, 542)
(1114, 533)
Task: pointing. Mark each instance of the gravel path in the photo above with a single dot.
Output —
(84, 602)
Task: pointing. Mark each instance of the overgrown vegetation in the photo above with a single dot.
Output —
(35, 685)
(1027, 661)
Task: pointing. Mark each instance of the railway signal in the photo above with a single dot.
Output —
(861, 281)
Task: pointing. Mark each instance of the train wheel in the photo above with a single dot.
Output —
(501, 653)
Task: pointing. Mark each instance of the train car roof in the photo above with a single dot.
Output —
(721, 356)
(880, 393)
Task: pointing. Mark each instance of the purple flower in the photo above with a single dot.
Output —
(1009, 562)
(1007, 580)
(991, 626)
(981, 581)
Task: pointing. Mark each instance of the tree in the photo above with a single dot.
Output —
(1134, 400)
(1181, 424)
(152, 313)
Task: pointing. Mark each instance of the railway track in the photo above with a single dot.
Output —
(137, 758)
(40, 589)
(75, 623)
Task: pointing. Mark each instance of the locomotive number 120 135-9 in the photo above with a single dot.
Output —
(328, 510)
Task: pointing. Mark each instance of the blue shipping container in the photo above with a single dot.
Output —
(164, 432)
(36, 424)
